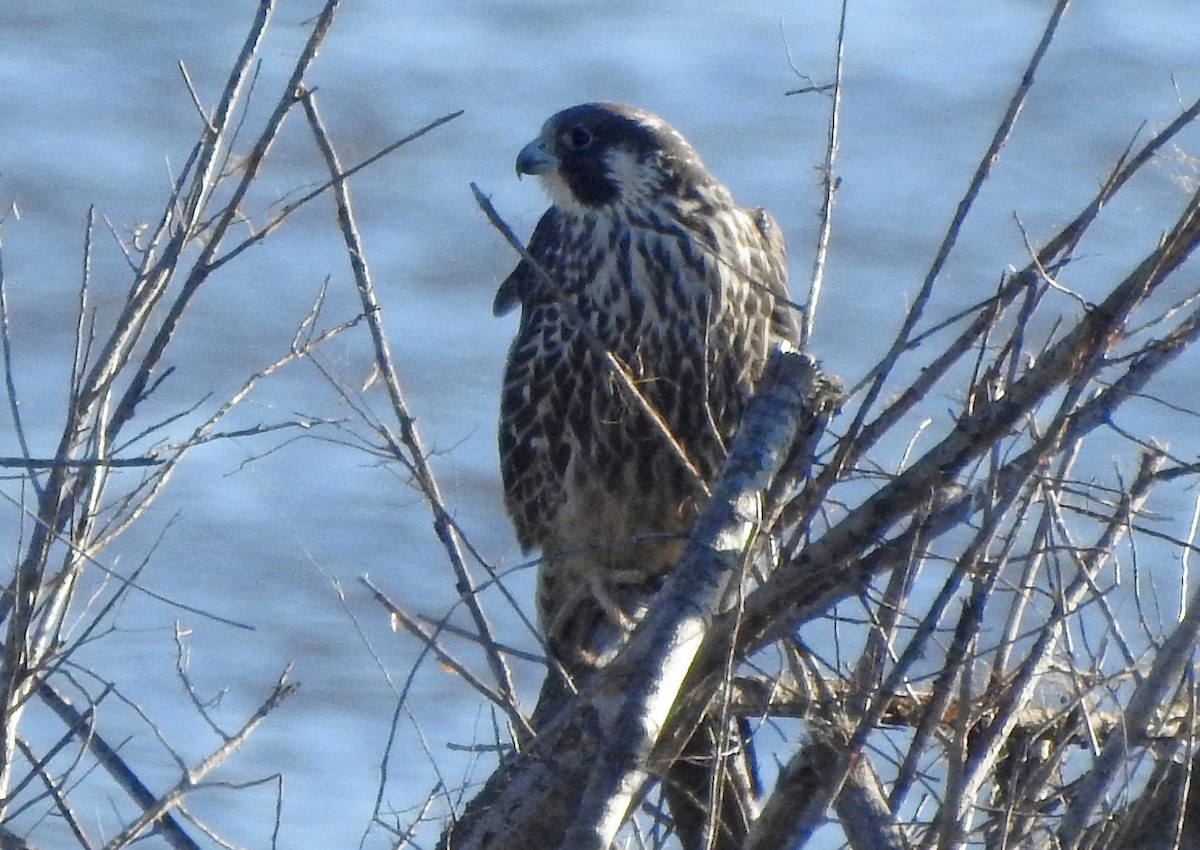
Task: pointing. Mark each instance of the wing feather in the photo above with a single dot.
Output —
(773, 274)
(534, 444)
(525, 280)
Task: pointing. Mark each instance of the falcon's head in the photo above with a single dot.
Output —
(599, 155)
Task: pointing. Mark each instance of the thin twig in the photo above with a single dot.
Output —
(829, 187)
(431, 638)
(409, 436)
(902, 340)
(162, 805)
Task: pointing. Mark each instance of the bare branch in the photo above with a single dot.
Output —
(829, 187)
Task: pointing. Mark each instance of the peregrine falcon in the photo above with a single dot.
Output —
(650, 303)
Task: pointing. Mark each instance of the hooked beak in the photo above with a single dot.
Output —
(535, 159)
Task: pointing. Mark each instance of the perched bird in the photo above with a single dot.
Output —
(650, 303)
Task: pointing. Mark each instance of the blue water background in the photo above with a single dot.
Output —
(93, 111)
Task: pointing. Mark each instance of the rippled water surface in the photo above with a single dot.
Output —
(273, 532)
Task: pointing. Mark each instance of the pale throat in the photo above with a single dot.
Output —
(560, 193)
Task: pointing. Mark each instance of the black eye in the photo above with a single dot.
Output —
(578, 138)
